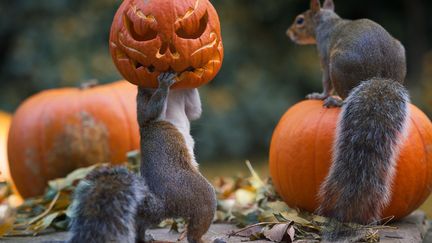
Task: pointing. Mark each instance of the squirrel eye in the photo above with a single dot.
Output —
(300, 21)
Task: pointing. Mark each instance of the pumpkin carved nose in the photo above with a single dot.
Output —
(168, 45)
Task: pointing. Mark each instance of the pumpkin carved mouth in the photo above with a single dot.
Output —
(198, 71)
(152, 69)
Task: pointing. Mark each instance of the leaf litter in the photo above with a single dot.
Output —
(250, 203)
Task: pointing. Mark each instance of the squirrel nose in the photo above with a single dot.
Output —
(290, 34)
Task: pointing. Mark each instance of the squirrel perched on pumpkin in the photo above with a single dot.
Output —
(364, 65)
(114, 205)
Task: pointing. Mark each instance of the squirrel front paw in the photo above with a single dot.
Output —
(317, 96)
(333, 101)
(167, 79)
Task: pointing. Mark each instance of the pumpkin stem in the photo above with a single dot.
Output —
(89, 84)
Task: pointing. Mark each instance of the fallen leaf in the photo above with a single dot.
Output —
(277, 233)
(280, 217)
(244, 197)
(7, 216)
(291, 233)
(277, 206)
(248, 231)
(69, 180)
(292, 216)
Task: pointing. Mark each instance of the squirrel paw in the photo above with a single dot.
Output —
(147, 238)
(333, 101)
(317, 96)
(167, 79)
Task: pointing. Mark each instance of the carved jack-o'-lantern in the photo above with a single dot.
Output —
(153, 36)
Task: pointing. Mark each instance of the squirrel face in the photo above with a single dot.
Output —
(302, 31)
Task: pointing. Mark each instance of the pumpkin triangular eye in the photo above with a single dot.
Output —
(192, 29)
(145, 33)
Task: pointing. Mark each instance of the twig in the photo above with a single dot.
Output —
(234, 233)
(253, 172)
(183, 234)
(46, 212)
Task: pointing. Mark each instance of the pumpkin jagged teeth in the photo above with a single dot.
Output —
(138, 65)
(199, 72)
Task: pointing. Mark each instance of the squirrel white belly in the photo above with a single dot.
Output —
(184, 106)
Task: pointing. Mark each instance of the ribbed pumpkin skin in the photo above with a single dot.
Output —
(154, 36)
(59, 130)
(300, 156)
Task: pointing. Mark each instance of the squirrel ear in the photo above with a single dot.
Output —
(328, 4)
(315, 5)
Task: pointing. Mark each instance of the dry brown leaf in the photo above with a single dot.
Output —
(277, 233)
(7, 219)
(291, 233)
(248, 231)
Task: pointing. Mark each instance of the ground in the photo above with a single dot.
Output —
(413, 229)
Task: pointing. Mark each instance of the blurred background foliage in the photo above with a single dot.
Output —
(55, 43)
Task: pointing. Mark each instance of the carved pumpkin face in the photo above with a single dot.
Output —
(153, 36)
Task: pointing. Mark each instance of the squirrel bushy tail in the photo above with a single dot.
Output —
(105, 206)
(372, 124)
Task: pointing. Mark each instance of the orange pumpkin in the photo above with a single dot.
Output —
(59, 130)
(301, 151)
(5, 120)
(153, 36)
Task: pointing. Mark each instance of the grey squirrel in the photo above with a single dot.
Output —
(105, 206)
(364, 65)
(112, 205)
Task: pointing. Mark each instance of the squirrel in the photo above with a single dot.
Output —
(114, 206)
(105, 206)
(366, 67)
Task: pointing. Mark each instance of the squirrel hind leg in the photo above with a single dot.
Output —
(197, 227)
(200, 222)
(151, 212)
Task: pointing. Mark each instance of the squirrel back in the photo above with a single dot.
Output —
(351, 51)
(359, 50)
(365, 66)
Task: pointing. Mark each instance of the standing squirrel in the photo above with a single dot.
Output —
(364, 65)
(112, 205)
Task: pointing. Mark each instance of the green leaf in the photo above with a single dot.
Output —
(293, 216)
(280, 217)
